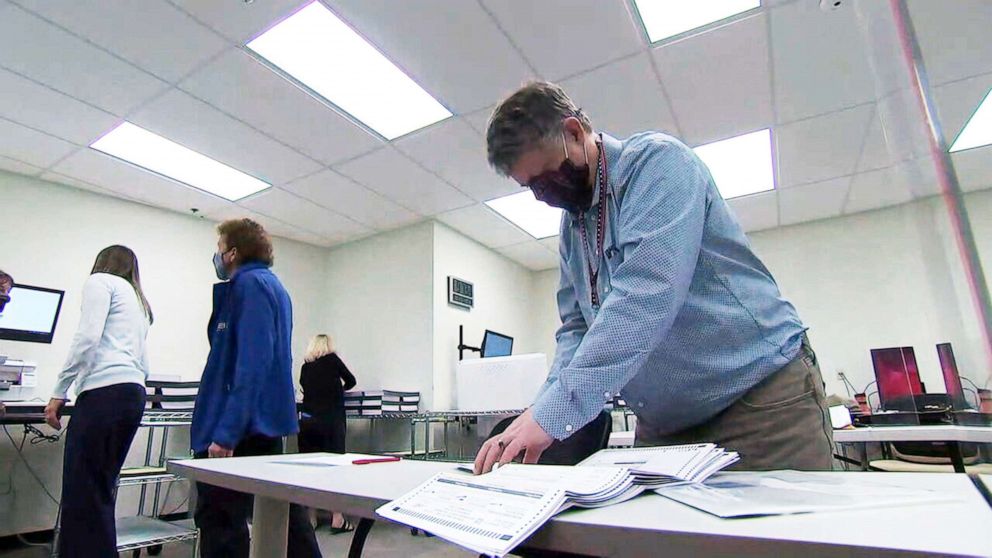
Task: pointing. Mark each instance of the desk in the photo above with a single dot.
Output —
(951, 434)
(639, 527)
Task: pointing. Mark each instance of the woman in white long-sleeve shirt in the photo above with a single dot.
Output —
(109, 364)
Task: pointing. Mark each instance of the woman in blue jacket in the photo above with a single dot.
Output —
(246, 403)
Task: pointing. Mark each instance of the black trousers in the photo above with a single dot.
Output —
(222, 514)
(99, 435)
(323, 433)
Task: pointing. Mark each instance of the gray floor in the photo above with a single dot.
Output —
(386, 539)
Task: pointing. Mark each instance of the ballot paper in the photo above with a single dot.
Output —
(662, 465)
(491, 514)
(790, 492)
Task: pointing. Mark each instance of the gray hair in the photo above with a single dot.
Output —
(526, 119)
(6, 282)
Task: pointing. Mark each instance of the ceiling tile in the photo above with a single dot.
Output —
(272, 226)
(821, 63)
(81, 185)
(479, 223)
(240, 21)
(810, 202)
(153, 35)
(394, 176)
(19, 167)
(198, 126)
(877, 153)
(479, 120)
(278, 107)
(457, 153)
(42, 108)
(531, 255)
(551, 243)
(442, 53)
(757, 211)
(957, 101)
(37, 49)
(974, 168)
(719, 81)
(305, 215)
(954, 38)
(877, 189)
(30, 146)
(819, 148)
(132, 182)
(342, 195)
(623, 97)
(564, 37)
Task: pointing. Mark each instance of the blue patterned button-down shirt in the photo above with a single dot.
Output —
(690, 319)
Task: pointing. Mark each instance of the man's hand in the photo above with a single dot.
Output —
(53, 413)
(219, 451)
(524, 435)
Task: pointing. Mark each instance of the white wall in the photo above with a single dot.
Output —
(379, 309)
(544, 294)
(877, 279)
(503, 303)
(52, 234)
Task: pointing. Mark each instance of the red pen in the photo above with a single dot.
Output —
(371, 460)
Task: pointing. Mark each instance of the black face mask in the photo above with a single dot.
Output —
(566, 188)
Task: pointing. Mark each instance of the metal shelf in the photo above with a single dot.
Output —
(134, 533)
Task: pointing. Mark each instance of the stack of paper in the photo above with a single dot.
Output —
(491, 514)
(373, 403)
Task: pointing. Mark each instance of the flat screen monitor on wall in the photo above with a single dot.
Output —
(952, 380)
(897, 375)
(31, 315)
(496, 345)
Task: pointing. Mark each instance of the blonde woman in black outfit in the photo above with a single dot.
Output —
(323, 427)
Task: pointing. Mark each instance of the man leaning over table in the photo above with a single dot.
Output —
(661, 299)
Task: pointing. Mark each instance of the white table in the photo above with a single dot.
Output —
(641, 527)
(951, 434)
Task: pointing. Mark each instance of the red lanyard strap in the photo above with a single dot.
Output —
(600, 228)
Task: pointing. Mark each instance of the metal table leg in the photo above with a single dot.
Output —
(863, 449)
(954, 449)
(427, 439)
(413, 438)
(358, 539)
(371, 438)
(148, 462)
(446, 421)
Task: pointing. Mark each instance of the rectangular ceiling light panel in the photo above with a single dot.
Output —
(536, 218)
(978, 131)
(667, 18)
(320, 51)
(740, 165)
(163, 156)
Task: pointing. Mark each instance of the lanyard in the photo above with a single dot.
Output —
(600, 228)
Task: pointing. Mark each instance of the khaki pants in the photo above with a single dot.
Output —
(781, 423)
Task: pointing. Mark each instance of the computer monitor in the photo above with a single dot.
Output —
(898, 377)
(31, 314)
(496, 344)
(952, 379)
